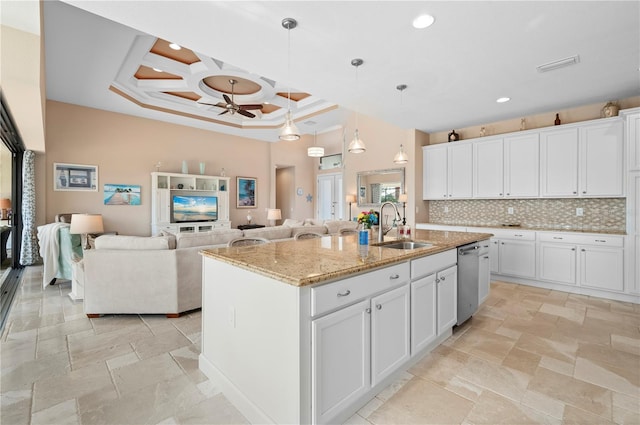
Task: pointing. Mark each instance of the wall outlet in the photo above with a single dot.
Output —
(579, 212)
(446, 209)
(510, 210)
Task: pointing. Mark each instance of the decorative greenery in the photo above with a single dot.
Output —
(368, 218)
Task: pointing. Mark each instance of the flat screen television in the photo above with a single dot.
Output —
(188, 208)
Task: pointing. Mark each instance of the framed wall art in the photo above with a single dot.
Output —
(75, 177)
(246, 192)
(122, 194)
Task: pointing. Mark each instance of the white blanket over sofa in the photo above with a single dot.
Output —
(49, 250)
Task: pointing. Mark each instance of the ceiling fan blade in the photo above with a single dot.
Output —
(227, 99)
(245, 113)
(219, 104)
(250, 107)
(223, 112)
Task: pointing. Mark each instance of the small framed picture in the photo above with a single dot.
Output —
(75, 177)
(122, 194)
(246, 192)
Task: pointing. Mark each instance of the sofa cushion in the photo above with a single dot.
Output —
(334, 226)
(304, 229)
(290, 222)
(132, 242)
(271, 233)
(213, 237)
(172, 238)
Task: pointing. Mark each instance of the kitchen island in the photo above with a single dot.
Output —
(308, 331)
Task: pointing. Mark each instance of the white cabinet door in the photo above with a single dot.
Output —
(460, 171)
(522, 166)
(434, 172)
(390, 332)
(423, 312)
(447, 294)
(340, 360)
(494, 254)
(633, 140)
(161, 206)
(484, 277)
(601, 159)
(518, 258)
(602, 268)
(559, 162)
(488, 169)
(557, 262)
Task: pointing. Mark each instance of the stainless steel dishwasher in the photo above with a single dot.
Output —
(468, 280)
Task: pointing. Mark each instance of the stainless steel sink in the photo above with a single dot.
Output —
(407, 245)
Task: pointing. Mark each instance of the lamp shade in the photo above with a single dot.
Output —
(5, 203)
(315, 151)
(403, 197)
(350, 199)
(86, 223)
(401, 157)
(289, 131)
(357, 145)
(274, 214)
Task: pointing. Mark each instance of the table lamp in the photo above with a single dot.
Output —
(5, 207)
(85, 224)
(351, 199)
(404, 198)
(273, 214)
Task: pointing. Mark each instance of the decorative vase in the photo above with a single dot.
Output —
(185, 167)
(363, 236)
(249, 218)
(557, 121)
(202, 165)
(223, 173)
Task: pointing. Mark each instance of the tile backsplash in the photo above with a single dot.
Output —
(599, 214)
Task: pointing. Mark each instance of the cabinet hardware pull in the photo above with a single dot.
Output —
(573, 249)
(344, 294)
(485, 246)
(584, 250)
(394, 276)
(502, 243)
(486, 257)
(584, 191)
(600, 240)
(508, 194)
(379, 306)
(368, 310)
(501, 194)
(437, 280)
(575, 193)
(442, 279)
(556, 237)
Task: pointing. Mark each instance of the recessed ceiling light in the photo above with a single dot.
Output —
(175, 46)
(423, 21)
(503, 99)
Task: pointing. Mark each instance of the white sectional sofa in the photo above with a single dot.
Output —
(163, 274)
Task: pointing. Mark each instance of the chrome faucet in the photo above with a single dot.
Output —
(380, 229)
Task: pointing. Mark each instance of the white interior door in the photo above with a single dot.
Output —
(330, 204)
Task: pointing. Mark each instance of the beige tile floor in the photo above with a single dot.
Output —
(528, 356)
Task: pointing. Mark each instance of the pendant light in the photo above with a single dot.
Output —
(357, 145)
(401, 157)
(315, 150)
(289, 131)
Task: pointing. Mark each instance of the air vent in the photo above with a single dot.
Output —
(571, 60)
(310, 122)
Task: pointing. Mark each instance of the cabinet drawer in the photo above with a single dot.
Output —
(573, 238)
(432, 263)
(521, 235)
(328, 297)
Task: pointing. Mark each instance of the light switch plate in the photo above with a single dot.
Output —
(579, 212)
(510, 210)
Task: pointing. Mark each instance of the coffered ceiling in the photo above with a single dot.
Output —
(102, 54)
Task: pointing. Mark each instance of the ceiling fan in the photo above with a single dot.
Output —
(233, 107)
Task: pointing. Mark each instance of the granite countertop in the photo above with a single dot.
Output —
(309, 261)
(533, 228)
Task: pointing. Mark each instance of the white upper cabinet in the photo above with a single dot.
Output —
(488, 178)
(633, 138)
(447, 171)
(434, 172)
(601, 159)
(521, 166)
(559, 163)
